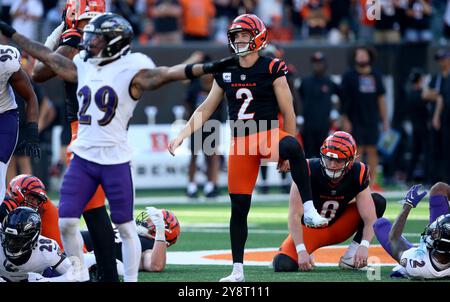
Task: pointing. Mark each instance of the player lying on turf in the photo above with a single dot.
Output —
(431, 259)
(341, 193)
(157, 229)
(29, 191)
(25, 254)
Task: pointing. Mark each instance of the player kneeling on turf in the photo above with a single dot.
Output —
(25, 254)
(341, 194)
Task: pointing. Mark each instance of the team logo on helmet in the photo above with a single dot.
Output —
(28, 190)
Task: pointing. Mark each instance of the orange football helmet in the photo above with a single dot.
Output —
(252, 24)
(172, 226)
(28, 190)
(337, 154)
(77, 10)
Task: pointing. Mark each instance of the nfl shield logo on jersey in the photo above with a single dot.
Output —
(243, 77)
(227, 77)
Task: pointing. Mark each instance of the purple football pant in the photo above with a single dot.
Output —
(9, 128)
(81, 181)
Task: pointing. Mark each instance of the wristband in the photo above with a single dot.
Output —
(300, 247)
(188, 71)
(365, 243)
(160, 235)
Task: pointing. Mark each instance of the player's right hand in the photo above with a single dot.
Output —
(305, 261)
(174, 144)
(156, 216)
(413, 197)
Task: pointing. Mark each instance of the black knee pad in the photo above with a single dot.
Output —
(380, 204)
(284, 263)
(290, 147)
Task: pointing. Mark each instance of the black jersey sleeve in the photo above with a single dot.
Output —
(277, 68)
(71, 37)
(363, 176)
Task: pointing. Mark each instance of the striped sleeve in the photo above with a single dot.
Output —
(277, 68)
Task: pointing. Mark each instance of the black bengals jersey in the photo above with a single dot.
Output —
(330, 199)
(72, 38)
(250, 92)
(7, 206)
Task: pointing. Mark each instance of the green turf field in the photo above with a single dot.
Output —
(205, 227)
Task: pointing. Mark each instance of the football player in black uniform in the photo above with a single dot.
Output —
(341, 193)
(256, 90)
(77, 15)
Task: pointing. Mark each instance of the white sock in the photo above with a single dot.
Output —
(307, 206)
(3, 171)
(89, 259)
(131, 251)
(351, 250)
(209, 187)
(192, 187)
(238, 268)
(73, 245)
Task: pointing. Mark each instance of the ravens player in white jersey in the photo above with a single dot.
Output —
(12, 77)
(25, 254)
(110, 81)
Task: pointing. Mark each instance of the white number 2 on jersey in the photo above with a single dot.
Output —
(245, 95)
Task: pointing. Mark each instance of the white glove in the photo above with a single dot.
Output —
(2, 280)
(53, 38)
(158, 221)
(35, 277)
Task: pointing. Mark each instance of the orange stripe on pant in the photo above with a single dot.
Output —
(246, 153)
(344, 227)
(98, 199)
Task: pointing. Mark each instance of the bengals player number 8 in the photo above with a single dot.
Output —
(329, 209)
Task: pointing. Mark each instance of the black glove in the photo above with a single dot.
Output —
(220, 65)
(6, 29)
(32, 141)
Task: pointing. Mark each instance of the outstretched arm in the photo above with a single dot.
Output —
(43, 72)
(62, 66)
(151, 79)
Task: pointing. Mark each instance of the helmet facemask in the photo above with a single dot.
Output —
(15, 245)
(241, 48)
(333, 166)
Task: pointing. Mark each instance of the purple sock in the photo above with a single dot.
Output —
(438, 206)
(382, 227)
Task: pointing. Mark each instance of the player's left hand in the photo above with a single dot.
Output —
(6, 29)
(283, 166)
(32, 141)
(362, 253)
(413, 197)
(156, 216)
(174, 144)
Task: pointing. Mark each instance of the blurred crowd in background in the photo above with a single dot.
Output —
(326, 21)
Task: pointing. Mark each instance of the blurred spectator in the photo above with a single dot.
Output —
(148, 34)
(419, 116)
(363, 101)
(226, 11)
(198, 16)
(418, 21)
(316, 14)
(387, 28)
(446, 23)
(166, 15)
(341, 35)
(439, 91)
(316, 93)
(25, 16)
(197, 92)
(6, 9)
(278, 32)
(267, 10)
(129, 10)
(292, 10)
(366, 21)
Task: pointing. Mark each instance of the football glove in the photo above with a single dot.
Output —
(32, 141)
(6, 29)
(413, 197)
(220, 65)
(158, 221)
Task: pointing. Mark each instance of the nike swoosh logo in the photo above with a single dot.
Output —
(65, 40)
